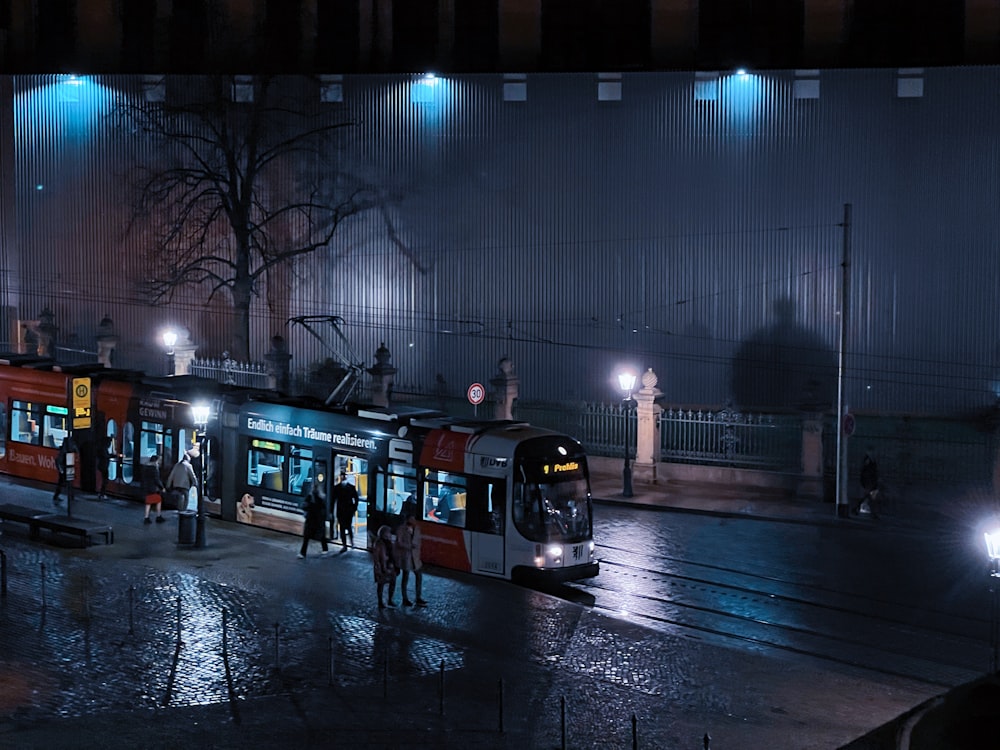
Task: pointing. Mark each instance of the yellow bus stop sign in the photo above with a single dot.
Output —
(81, 403)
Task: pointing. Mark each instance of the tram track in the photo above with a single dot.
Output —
(772, 613)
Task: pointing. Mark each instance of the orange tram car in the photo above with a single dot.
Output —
(496, 498)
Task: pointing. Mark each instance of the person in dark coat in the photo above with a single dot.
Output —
(407, 553)
(315, 521)
(345, 498)
(152, 486)
(106, 453)
(61, 463)
(869, 483)
(384, 564)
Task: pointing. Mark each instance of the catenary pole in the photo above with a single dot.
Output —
(841, 506)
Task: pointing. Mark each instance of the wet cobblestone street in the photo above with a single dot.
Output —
(144, 644)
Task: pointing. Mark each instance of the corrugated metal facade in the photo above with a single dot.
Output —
(693, 226)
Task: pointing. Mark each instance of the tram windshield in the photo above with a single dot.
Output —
(551, 506)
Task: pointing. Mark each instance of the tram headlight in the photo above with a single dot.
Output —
(555, 551)
(592, 548)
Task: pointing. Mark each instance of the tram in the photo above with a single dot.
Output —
(42, 403)
(501, 499)
(496, 498)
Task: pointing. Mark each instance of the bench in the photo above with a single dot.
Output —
(36, 520)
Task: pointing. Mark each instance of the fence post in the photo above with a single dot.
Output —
(131, 620)
(500, 704)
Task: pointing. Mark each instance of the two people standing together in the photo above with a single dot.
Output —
(390, 556)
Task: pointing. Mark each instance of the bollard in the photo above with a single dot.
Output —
(441, 691)
(385, 677)
(277, 655)
(3, 573)
(500, 703)
(635, 733)
(706, 740)
(131, 618)
(43, 587)
(562, 720)
(332, 665)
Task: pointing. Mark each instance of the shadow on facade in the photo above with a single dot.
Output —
(784, 365)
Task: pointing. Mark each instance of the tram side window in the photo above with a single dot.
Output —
(300, 466)
(111, 448)
(484, 510)
(394, 487)
(55, 426)
(445, 497)
(153, 439)
(265, 465)
(3, 430)
(129, 474)
(25, 422)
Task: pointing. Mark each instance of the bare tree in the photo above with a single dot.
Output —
(240, 181)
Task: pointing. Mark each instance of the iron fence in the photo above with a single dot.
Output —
(728, 437)
(230, 372)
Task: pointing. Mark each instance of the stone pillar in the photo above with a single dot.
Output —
(647, 444)
(505, 386)
(278, 365)
(184, 351)
(811, 481)
(382, 373)
(107, 340)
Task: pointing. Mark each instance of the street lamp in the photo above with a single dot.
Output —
(199, 413)
(993, 551)
(169, 337)
(627, 382)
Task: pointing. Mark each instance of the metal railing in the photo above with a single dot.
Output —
(728, 437)
(230, 372)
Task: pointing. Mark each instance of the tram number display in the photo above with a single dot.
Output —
(477, 394)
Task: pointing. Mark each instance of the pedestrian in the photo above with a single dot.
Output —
(385, 566)
(315, 520)
(345, 497)
(407, 551)
(869, 483)
(152, 486)
(62, 462)
(106, 453)
(180, 480)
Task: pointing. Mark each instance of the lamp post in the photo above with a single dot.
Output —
(993, 551)
(169, 341)
(200, 413)
(627, 382)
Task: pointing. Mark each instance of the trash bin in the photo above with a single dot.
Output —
(186, 527)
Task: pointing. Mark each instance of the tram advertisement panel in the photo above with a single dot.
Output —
(283, 452)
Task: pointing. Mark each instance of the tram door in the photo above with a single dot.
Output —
(485, 519)
(355, 469)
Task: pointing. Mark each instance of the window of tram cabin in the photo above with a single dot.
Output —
(3, 430)
(551, 503)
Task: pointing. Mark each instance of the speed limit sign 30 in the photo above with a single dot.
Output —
(476, 394)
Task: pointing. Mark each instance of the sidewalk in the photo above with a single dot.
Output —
(607, 483)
